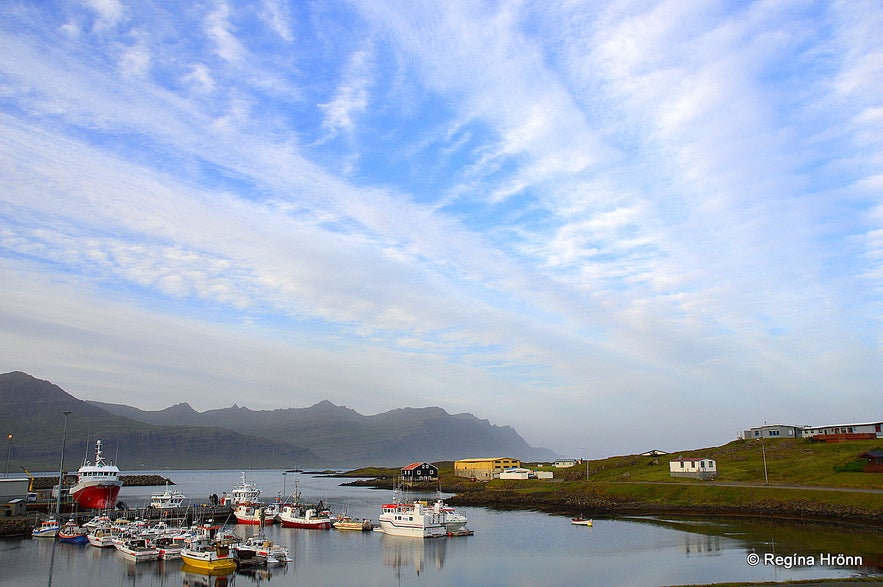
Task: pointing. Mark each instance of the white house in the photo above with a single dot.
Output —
(563, 463)
(698, 468)
(872, 429)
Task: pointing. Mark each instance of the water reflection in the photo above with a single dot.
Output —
(697, 544)
(401, 553)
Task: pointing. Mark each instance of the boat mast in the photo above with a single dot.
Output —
(61, 467)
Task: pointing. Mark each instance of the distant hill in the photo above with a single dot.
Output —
(340, 436)
(33, 411)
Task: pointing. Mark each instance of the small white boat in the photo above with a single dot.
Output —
(46, 529)
(580, 522)
(137, 550)
(260, 550)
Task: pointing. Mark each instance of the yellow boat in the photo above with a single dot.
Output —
(208, 555)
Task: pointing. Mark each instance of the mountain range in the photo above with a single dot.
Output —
(179, 437)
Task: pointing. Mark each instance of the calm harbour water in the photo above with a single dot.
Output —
(509, 548)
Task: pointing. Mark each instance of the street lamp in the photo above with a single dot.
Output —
(61, 468)
(587, 463)
(8, 452)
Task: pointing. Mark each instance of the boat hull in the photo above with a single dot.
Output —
(97, 496)
(413, 531)
(206, 564)
(305, 524)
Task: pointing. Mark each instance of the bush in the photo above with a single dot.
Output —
(851, 467)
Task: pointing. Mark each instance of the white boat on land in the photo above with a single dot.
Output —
(167, 499)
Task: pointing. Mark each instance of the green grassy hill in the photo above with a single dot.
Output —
(803, 484)
(789, 462)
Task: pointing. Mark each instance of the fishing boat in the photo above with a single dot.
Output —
(100, 536)
(245, 492)
(73, 533)
(97, 484)
(137, 550)
(298, 515)
(47, 529)
(455, 522)
(580, 521)
(253, 514)
(414, 520)
(348, 523)
(208, 554)
(267, 550)
(168, 547)
(167, 499)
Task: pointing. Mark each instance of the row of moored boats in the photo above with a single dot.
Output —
(205, 546)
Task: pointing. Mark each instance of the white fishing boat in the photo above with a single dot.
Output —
(245, 492)
(167, 499)
(455, 522)
(415, 520)
(137, 550)
(47, 529)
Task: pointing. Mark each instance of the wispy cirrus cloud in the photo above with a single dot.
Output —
(613, 210)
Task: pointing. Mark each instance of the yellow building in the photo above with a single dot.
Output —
(483, 469)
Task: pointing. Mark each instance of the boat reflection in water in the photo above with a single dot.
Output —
(196, 577)
(401, 552)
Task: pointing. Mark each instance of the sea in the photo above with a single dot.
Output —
(508, 548)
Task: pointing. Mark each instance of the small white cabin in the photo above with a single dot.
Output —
(698, 468)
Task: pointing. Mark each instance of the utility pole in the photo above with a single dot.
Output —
(8, 452)
(766, 478)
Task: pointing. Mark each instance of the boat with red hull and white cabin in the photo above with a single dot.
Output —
(97, 484)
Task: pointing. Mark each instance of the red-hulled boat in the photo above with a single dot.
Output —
(97, 484)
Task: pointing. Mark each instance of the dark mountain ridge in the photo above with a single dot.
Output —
(323, 434)
(33, 411)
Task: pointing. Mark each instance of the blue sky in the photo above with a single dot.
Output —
(615, 226)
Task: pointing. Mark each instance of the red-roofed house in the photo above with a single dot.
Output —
(698, 468)
(419, 472)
